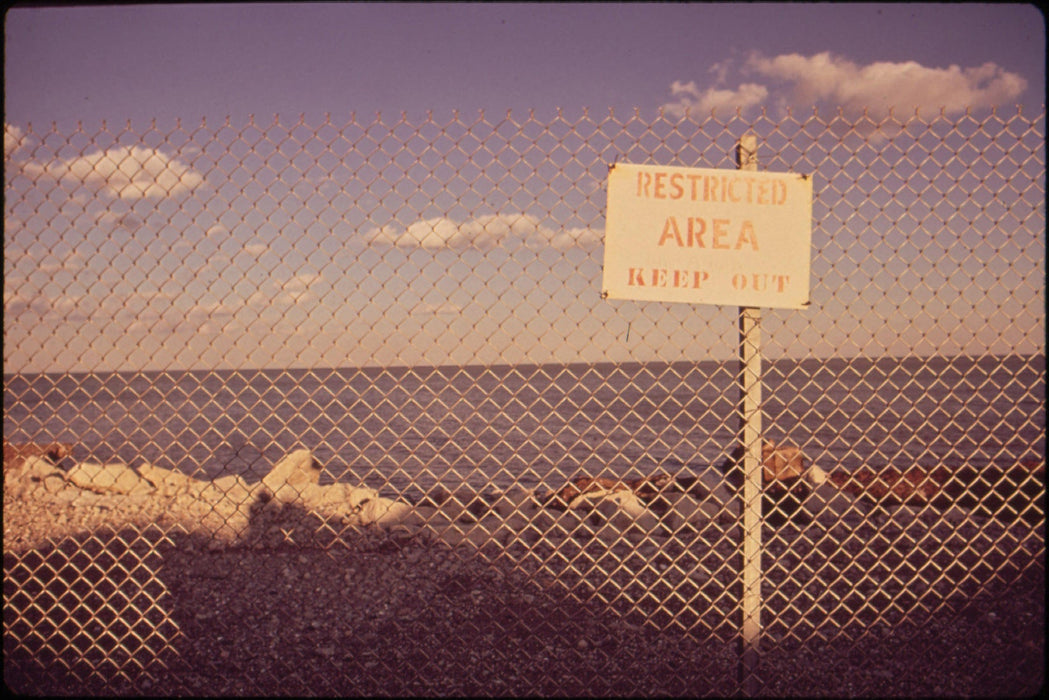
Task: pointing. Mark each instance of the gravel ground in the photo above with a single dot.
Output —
(104, 596)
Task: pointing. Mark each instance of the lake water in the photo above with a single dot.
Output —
(401, 429)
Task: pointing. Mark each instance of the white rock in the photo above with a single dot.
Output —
(383, 511)
(291, 475)
(108, 478)
(609, 500)
(622, 510)
(35, 466)
(629, 504)
(236, 489)
(54, 483)
(330, 499)
(169, 482)
(815, 475)
(358, 495)
(230, 496)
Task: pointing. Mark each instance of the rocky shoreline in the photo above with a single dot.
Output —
(658, 505)
(628, 561)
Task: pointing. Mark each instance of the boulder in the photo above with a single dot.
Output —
(357, 496)
(35, 468)
(292, 475)
(168, 481)
(815, 476)
(621, 509)
(383, 511)
(710, 488)
(645, 487)
(779, 462)
(15, 454)
(230, 495)
(332, 499)
(585, 484)
(115, 477)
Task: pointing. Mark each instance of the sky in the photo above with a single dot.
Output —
(149, 248)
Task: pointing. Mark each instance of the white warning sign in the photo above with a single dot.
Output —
(708, 236)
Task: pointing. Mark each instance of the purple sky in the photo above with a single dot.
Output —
(212, 247)
(191, 61)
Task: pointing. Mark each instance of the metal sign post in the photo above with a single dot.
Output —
(727, 237)
(750, 440)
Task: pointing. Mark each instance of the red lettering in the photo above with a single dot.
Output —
(710, 189)
(676, 190)
(644, 180)
(670, 230)
(720, 231)
(763, 192)
(696, 228)
(746, 235)
(695, 185)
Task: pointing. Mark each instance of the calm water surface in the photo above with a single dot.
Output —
(402, 428)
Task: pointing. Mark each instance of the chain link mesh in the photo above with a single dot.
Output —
(417, 303)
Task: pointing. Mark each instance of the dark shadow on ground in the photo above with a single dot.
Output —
(298, 606)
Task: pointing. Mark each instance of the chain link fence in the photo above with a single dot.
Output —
(279, 394)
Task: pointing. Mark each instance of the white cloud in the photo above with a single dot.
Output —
(839, 82)
(14, 138)
(297, 288)
(713, 100)
(126, 172)
(483, 232)
(72, 262)
(833, 81)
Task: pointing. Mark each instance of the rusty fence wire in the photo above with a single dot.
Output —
(275, 336)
